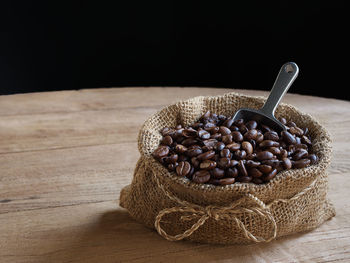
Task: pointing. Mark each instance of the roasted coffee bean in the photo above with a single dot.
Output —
(195, 163)
(210, 143)
(227, 181)
(254, 172)
(301, 163)
(225, 153)
(238, 122)
(219, 146)
(179, 148)
(270, 175)
(233, 146)
(227, 139)
(194, 151)
(257, 180)
(247, 146)
(224, 163)
(250, 135)
(244, 179)
(201, 177)
(251, 125)
(203, 134)
(232, 172)
(207, 165)
(300, 154)
(224, 130)
(252, 164)
(167, 140)
(216, 148)
(274, 150)
(237, 136)
(183, 168)
(271, 135)
(172, 158)
(242, 171)
(268, 143)
(206, 156)
(264, 168)
(287, 164)
(189, 141)
(217, 173)
(313, 158)
(240, 154)
(228, 122)
(283, 120)
(189, 132)
(264, 155)
(288, 137)
(296, 131)
(161, 151)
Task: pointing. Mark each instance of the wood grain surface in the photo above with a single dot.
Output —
(64, 157)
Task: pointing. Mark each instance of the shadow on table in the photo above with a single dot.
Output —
(116, 237)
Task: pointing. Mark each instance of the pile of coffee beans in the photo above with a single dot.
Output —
(217, 150)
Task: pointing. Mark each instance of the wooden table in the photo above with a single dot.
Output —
(64, 156)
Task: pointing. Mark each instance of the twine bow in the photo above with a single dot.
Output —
(217, 213)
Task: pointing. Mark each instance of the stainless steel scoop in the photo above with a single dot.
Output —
(265, 115)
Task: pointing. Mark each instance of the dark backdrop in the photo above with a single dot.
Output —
(49, 45)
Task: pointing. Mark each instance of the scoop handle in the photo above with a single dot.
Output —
(288, 73)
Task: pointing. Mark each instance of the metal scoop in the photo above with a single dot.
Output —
(265, 115)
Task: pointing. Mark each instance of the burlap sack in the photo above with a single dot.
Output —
(294, 201)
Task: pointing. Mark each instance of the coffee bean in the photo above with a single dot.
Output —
(210, 142)
(264, 155)
(217, 173)
(237, 136)
(224, 163)
(254, 172)
(271, 162)
(268, 143)
(250, 135)
(252, 164)
(214, 181)
(207, 165)
(212, 130)
(283, 120)
(270, 175)
(179, 148)
(224, 130)
(241, 169)
(194, 151)
(301, 163)
(313, 158)
(296, 131)
(189, 141)
(233, 146)
(201, 177)
(161, 151)
(283, 154)
(195, 163)
(225, 153)
(228, 122)
(247, 146)
(227, 181)
(232, 172)
(203, 134)
(167, 140)
(274, 150)
(287, 164)
(206, 156)
(240, 154)
(305, 140)
(259, 138)
(243, 129)
(183, 168)
(219, 146)
(227, 139)
(233, 162)
(271, 135)
(171, 167)
(265, 168)
(288, 137)
(189, 132)
(251, 125)
(238, 122)
(172, 158)
(244, 179)
(257, 180)
(300, 154)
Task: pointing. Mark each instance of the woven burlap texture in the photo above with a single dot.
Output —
(294, 201)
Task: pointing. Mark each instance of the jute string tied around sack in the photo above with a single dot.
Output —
(218, 213)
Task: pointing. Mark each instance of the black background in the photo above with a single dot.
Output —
(49, 45)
